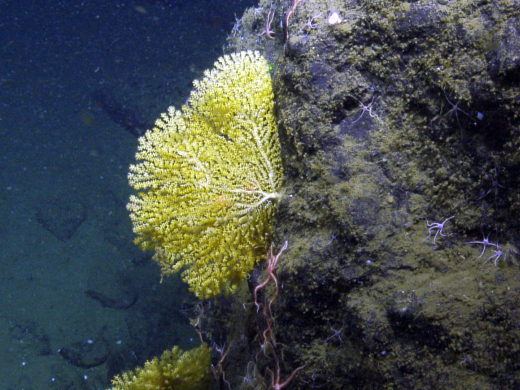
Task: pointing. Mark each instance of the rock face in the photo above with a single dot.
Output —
(397, 118)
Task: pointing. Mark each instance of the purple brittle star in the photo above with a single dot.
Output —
(485, 242)
(439, 227)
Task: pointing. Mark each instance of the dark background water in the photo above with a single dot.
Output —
(78, 81)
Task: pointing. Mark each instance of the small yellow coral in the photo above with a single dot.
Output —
(175, 369)
(212, 174)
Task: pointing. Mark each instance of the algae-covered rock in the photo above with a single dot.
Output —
(397, 118)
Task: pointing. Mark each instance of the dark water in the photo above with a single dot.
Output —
(78, 81)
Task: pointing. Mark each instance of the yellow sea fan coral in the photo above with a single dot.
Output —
(212, 174)
(175, 369)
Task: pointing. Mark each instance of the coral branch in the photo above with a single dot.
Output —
(268, 343)
(289, 14)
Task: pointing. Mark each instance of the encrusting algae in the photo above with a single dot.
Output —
(175, 369)
(211, 175)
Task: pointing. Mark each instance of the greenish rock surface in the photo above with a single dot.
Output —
(401, 116)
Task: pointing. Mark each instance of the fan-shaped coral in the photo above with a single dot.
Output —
(211, 175)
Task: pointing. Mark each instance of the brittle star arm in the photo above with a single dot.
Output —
(497, 255)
